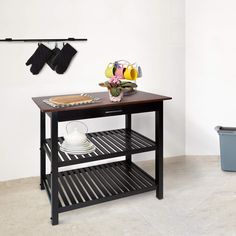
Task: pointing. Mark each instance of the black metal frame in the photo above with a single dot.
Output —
(42, 151)
(128, 123)
(51, 181)
(159, 151)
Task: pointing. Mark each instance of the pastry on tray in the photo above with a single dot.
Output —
(71, 99)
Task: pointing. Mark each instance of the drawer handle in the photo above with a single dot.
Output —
(110, 112)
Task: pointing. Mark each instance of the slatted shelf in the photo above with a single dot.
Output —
(112, 143)
(91, 185)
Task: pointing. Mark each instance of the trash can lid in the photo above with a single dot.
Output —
(226, 130)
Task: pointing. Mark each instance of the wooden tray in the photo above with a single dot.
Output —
(71, 100)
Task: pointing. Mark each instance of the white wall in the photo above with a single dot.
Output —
(149, 32)
(210, 72)
(171, 79)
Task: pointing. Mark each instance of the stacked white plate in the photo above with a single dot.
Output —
(84, 148)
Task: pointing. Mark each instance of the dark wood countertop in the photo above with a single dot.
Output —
(138, 98)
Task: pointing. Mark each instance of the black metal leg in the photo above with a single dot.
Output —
(54, 169)
(128, 127)
(42, 151)
(159, 151)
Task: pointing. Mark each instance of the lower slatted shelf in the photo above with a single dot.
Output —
(96, 184)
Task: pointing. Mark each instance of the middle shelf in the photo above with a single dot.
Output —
(112, 143)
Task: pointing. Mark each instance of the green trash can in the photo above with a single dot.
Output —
(227, 147)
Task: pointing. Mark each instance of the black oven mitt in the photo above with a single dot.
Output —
(39, 58)
(55, 52)
(64, 58)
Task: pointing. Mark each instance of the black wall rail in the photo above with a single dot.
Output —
(42, 40)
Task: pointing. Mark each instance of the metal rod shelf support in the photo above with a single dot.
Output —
(42, 40)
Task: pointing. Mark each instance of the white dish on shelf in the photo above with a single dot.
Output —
(86, 144)
(78, 152)
(85, 148)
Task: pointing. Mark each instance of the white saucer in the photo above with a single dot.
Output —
(66, 144)
(85, 148)
(75, 148)
(78, 152)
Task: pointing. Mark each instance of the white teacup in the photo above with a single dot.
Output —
(75, 138)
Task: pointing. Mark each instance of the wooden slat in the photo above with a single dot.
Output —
(47, 186)
(49, 142)
(66, 203)
(117, 186)
(146, 139)
(95, 189)
(138, 142)
(134, 177)
(106, 145)
(98, 144)
(79, 186)
(72, 186)
(139, 176)
(140, 139)
(108, 141)
(96, 180)
(122, 137)
(118, 138)
(85, 185)
(48, 150)
(128, 137)
(141, 173)
(104, 181)
(128, 176)
(115, 141)
(124, 178)
(68, 191)
(112, 169)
